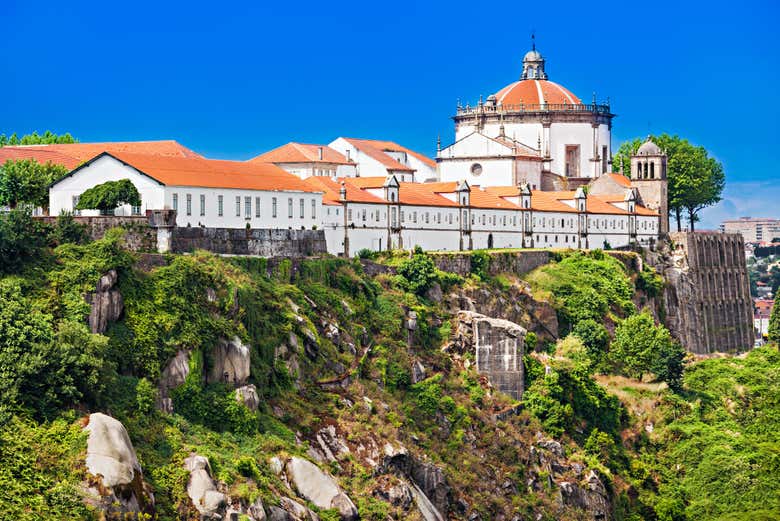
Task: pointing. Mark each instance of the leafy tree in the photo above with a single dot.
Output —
(21, 239)
(108, 196)
(41, 369)
(67, 230)
(696, 180)
(419, 273)
(594, 336)
(640, 347)
(26, 181)
(47, 138)
(774, 323)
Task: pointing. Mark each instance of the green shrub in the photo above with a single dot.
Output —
(22, 240)
(419, 273)
(366, 253)
(480, 263)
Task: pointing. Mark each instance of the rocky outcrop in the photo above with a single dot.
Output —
(231, 363)
(590, 496)
(425, 478)
(289, 510)
(172, 376)
(321, 489)
(106, 303)
(498, 346)
(248, 395)
(202, 489)
(116, 485)
(515, 304)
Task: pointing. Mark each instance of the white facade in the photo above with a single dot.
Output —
(195, 206)
(306, 170)
(573, 140)
(383, 158)
(485, 161)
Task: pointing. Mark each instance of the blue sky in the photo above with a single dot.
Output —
(231, 80)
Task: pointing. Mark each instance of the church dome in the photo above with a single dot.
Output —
(649, 148)
(536, 92)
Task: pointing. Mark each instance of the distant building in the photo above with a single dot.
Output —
(378, 158)
(753, 229)
(762, 308)
(304, 160)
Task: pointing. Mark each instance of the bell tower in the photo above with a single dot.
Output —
(648, 175)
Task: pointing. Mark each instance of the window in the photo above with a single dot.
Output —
(313, 208)
(189, 204)
(273, 207)
(203, 204)
(349, 214)
(289, 207)
(363, 214)
(652, 170)
(220, 204)
(604, 159)
(572, 160)
(238, 206)
(75, 200)
(427, 215)
(247, 207)
(476, 169)
(402, 216)
(301, 205)
(257, 207)
(176, 202)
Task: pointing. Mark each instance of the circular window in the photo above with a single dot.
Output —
(476, 169)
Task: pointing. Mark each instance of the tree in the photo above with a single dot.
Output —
(21, 239)
(696, 180)
(47, 138)
(774, 323)
(107, 196)
(26, 181)
(640, 347)
(594, 336)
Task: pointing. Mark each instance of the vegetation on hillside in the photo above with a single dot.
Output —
(314, 321)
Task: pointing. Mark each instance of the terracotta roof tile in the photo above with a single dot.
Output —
(41, 156)
(213, 173)
(367, 182)
(620, 179)
(377, 148)
(331, 190)
(418, 194)
(302, 153)
(71, 155)
(527, 92)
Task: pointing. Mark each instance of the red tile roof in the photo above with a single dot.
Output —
(72, 154)
(331, 190)
(213, 173)
(302, 153)
(528, 92)
(367, 182)
(418, 194)
(620, 179)
(41, 156)
(376, 149)
(481, 198)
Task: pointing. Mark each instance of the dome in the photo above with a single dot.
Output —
(649, 148)
(536, 92)
(533, 56)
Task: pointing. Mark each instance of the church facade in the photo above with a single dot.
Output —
(531, 131)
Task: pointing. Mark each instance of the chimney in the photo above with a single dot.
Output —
(319, 153)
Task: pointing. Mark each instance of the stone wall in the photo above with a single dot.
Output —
(498, 346)
(138, 235)
(707, 297)
(259, 242)
(513, 261)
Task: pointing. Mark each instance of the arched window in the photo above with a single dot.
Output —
(652, 170)
(645, 176)
(392, 197)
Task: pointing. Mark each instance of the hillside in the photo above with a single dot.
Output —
(330, 388)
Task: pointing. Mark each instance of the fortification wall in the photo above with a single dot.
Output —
(139, 236)
(707, 296)
(259, 242)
